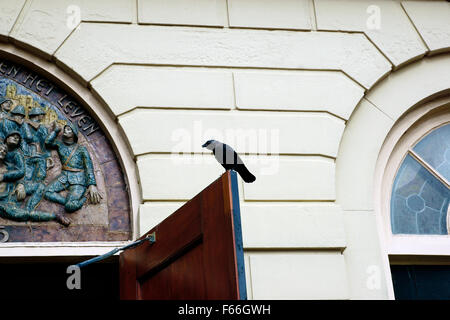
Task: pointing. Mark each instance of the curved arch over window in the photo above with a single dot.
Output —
(421, 191)
(413, 168)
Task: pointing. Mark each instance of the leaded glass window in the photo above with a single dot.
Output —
(421, 192)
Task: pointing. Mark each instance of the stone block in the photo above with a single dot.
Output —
(270, 14)
(291, 178)
(183, 12)
(431, 19)
(384, 22)
(175, 131)
(298, 276)
(46, 24)
(125, 87)
(9, 12)
(328, 91)
(210, 47)
(410, 85)
(286, 225)
(359, 149)
(163, 178)
(153, 213)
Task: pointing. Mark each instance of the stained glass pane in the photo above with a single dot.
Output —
(435, 150)
(419, 201)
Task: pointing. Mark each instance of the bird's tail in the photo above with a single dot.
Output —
(246, 175)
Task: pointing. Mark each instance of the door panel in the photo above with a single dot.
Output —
(197, 254)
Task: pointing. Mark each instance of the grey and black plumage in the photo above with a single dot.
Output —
(229, 159)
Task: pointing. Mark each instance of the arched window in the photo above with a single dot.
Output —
(414, 193)
(416, 201)
(421, 191)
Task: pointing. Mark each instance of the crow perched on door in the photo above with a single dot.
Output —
(229, 159)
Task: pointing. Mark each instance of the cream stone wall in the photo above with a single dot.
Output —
(319, 83)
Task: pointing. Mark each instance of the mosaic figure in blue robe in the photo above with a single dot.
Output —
(36, 156)
(16, 122)
(5, 107)
(12, 169)
(36, 153)
(77, 171)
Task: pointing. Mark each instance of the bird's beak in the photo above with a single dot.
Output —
(204, 145)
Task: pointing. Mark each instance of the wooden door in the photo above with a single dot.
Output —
(198, 252)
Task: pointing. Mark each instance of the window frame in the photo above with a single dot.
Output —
(408, 131)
